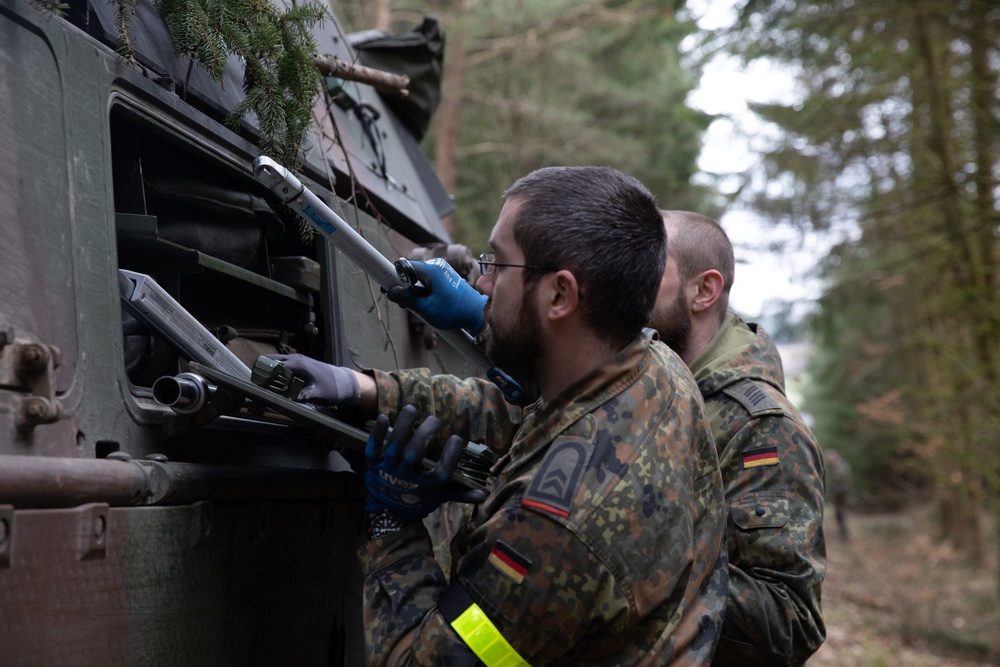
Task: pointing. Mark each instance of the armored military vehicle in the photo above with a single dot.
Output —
(202, 527)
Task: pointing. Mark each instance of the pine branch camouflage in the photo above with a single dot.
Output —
(276, 47)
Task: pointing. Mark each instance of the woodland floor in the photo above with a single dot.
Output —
(893, 595)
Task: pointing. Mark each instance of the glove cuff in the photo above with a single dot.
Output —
(347, 383)
(474, 303)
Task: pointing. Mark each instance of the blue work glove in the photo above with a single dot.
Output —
(447, 301)
(325, 384)
(397, 479)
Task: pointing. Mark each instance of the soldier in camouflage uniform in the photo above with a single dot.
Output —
(839, 487)
(601, 540)
(772, 466)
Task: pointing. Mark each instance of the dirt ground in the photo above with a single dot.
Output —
(893, 595)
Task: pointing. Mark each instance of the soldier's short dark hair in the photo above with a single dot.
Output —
(698, 243)
(605, 227)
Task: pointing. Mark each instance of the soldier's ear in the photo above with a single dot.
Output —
(561, 294)
(710, 285)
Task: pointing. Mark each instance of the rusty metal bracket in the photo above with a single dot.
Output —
(458, 255)
(92, 536)
(29, 367)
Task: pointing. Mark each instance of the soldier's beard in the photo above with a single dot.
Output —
(516, 347)
(674, 324)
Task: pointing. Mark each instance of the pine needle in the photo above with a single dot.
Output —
(281, 81)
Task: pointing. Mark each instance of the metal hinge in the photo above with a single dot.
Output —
(29, 367)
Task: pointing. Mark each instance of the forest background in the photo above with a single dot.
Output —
(892, 142)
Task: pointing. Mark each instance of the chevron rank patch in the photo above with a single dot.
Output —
(554, 486)
(504, 558)
(763, 456)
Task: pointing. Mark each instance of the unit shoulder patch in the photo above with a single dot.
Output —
(554, 486)
(753, 398)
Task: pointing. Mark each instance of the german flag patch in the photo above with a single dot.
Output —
(504, 558)
(764, 456)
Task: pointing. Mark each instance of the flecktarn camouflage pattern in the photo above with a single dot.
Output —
(773, 473)
(601, 540)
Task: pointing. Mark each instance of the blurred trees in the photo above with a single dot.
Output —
(533, 83)
(897, 134)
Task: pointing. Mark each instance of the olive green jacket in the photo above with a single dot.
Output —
(773, 473)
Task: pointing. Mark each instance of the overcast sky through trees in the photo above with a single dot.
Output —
(762, 276)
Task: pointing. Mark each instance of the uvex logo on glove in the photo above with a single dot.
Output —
(397, 479)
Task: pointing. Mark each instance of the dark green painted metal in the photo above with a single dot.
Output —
(242, 566)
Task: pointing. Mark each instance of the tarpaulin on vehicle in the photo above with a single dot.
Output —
(418, 54)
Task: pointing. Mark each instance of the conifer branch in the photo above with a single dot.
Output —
(124, 13)
(283, 73)
(276, 47)
(57, 7)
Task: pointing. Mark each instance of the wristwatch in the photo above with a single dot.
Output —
(384, 522)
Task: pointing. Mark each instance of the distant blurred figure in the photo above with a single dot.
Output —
(839, 484)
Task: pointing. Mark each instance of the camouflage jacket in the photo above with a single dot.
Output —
(601, 542)
(772, 469)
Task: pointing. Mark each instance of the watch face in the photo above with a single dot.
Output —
(382, 523)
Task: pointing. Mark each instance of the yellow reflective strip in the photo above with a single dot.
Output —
(479, 633)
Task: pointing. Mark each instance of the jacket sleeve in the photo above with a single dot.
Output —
(523, 572)
(472, 408)
(777, 550)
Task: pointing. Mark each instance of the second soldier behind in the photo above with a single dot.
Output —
(772, 467)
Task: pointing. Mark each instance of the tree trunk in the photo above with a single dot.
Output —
(968, 334)
(983, 83)
(379, 14)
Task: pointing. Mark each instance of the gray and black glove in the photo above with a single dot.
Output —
(326, 385)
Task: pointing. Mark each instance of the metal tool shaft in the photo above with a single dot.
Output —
(343, 237)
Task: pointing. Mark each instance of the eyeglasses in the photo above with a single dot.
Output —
(488, 265)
